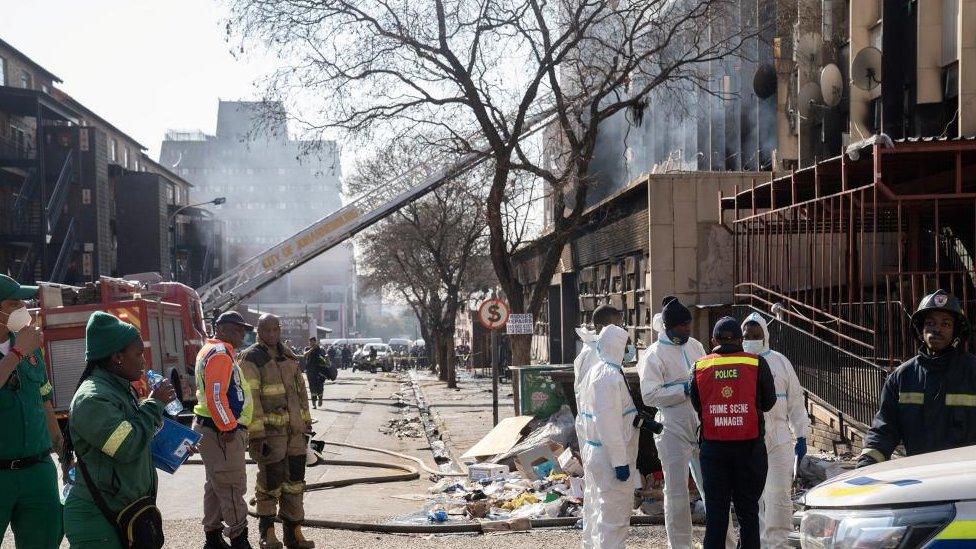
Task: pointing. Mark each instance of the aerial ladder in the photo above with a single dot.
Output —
(250, 277)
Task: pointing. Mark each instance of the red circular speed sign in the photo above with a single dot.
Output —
(493, 313)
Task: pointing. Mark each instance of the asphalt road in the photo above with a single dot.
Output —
(355, 408)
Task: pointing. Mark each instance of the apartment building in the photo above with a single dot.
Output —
(274, 186)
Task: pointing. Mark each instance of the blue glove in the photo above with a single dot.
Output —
(622, 472)
(801, 447)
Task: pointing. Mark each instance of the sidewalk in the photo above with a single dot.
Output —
(464, 415)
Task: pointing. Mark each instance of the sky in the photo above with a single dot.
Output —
(144, 65)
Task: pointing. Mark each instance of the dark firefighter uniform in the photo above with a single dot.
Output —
(276, 439)
(929, 402)
(28, 478)
(730, 390)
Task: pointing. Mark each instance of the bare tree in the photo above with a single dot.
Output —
(488, 74)
(429, 252)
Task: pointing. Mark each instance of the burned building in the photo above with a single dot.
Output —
(274, 187)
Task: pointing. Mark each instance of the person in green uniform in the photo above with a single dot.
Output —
(28, 478)
(111, 431)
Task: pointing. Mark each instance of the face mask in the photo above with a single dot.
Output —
(630, 355)
(677, 340)
(18, 320)
(754, 346)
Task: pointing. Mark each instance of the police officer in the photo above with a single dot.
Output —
(730, 390)
(928, 403)
(277, 432)
(222, 414)
(111, 432)
(28, 478)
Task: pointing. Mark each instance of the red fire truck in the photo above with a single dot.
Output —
(168, 315)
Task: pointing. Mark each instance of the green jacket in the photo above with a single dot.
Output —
(112, 432)
(22, 397)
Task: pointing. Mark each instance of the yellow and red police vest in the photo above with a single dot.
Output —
(727, 392)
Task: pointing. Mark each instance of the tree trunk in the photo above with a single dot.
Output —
(450, 364)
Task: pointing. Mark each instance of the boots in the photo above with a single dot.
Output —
(267, 532)
(215, 540)
(294, 537)
(314, 398)
(240, 542)
(320, 401)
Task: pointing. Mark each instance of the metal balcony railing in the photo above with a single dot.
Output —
(844, 381)
(61, 264)
(20, 210)
(52, 212)
(16, 149)
(24, 272)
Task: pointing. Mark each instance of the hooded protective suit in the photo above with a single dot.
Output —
(609, 440)
(786, 421)
(665, 371)
(586, 359)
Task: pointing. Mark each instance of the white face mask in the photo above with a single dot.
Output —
(754, 346)
(18, 320)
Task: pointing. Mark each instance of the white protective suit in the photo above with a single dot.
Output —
(664, 369)
(609, 440)
(786, 421)
(584, 361)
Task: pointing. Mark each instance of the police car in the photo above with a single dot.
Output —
(925, 501)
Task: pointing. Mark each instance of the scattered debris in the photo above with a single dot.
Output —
(403, 428)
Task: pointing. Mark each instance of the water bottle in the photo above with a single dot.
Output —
(69, 482)
(174, 407)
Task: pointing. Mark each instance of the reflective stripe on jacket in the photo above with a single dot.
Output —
(223, 394)
(927, 406)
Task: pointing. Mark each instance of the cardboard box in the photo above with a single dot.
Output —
(478, 471)
(537, 463)
(569, 464)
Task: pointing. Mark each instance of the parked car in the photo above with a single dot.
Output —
(924, 501)
(401, 352)
(384, 358)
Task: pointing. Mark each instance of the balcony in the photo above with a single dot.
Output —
(14, 151)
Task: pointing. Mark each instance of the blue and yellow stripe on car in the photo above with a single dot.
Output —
(958, 534)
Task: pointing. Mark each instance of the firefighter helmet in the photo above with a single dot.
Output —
(941, 300)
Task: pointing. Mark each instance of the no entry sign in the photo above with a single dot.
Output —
(493, 313)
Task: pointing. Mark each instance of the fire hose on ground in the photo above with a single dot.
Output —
(409, 473)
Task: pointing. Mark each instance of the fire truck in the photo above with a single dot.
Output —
(168, 315)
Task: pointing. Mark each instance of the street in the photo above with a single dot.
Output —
(356, 406)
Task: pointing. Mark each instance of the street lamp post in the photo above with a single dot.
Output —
(171, 223)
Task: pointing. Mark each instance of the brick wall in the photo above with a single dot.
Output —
(828, 433)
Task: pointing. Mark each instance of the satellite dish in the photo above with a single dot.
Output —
(764, 81)
(808, 97)
(866, 68)
(831, 85)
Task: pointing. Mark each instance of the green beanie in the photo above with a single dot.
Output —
(106, 334)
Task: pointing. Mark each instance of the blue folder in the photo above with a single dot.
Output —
(170, 447)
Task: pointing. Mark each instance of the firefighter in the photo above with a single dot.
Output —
(730, 390)
(277, 433)
(928, 403)
(315, 365)
(111, 432)
(28, 478)
(222, 413)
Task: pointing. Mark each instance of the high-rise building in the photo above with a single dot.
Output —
(274, 187)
